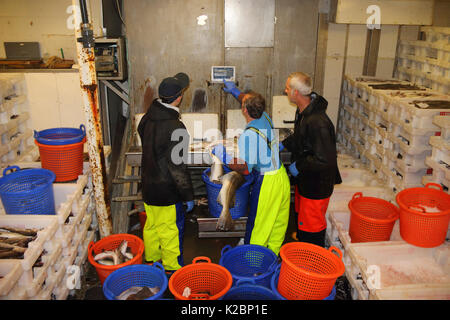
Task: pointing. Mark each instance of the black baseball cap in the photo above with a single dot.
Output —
(172, 87)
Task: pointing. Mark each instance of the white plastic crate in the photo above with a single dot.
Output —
(415, 139)
(444, 182)
(10, 272)
(32, 280)
(418, 292)
(404, 160)
(55, 275)
(440, 151)
(411, 177)
(436, 34)
(353, 181)
(443, 122)
(49, 226)
(16, 293)
(386, 266)
(419, 113)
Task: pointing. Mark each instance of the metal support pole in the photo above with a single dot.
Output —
(89, 88)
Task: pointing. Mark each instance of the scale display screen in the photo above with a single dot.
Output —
(221, 73)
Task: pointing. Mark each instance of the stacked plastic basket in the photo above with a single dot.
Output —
(61, 151)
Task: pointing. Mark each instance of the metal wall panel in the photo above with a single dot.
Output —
(163, 38)
(249, 23)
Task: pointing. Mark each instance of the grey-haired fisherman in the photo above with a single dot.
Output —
(166, 183)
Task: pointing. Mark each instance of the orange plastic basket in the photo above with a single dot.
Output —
(207, 281)
(110, 243)
(308, 271)
(421, 228)
(371, 219)
(66, 161)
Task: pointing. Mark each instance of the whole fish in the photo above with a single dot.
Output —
(13, 235)
(216, 170)
(107, 255)
(116, 256)
(138, 293)
(227, 195)
(23, 231)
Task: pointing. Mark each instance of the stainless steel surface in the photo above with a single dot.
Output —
(249, 23)
(207, 228)
(195, 159)
(134, 156)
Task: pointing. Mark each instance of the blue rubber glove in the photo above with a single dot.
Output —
(293, 169)
(190, 205)
(280, 146)
(230, 87)
(220, 152)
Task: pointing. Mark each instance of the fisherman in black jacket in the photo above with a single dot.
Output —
(166, 183)
(314, 158)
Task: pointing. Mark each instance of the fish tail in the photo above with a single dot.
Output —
(225, 221)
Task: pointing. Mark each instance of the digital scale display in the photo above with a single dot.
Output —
(221, 73)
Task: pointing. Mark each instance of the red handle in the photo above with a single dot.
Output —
(196, 260)
(339, 252)
(357, 195)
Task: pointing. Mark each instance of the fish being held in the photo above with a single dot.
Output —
(216, 170)
(230, 183)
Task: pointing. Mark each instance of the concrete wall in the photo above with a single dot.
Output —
(43, 21)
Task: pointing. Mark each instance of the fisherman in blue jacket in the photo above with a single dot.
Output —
(259, 154)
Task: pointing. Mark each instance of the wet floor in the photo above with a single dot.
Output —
(193, 247)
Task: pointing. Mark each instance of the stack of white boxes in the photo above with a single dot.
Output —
(426, 62)
(61, 245)
(17, 142)
(387, 124)
(439, 160)
(387, 130)
(382, 270)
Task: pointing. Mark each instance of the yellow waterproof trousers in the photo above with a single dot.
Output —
(269, 210)
(163, 235)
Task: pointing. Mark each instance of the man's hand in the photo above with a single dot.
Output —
(230, 87)
(190, 206)
(293, 169)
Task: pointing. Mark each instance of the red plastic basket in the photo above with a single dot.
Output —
(66, 161)
(371, 219)
(308, 271)
(207, 281)
(421, 228)
(110, 243)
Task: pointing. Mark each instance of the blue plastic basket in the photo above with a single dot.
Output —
(274, 285)
(60, 136)
(246, 289)
(242, 196)
(249, 262)
(27, 191)
(136, 275)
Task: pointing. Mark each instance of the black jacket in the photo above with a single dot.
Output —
(313, 148)
(165, 179)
